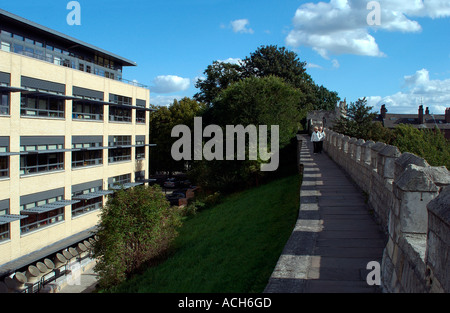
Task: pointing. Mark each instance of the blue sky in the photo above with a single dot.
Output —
(402, 61)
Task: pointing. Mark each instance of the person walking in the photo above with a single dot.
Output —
(315, 138)
(321, 139)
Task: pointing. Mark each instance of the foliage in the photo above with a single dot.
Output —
(358, 122)
(136, 225)
(230, 247)
(251, 101)
(266, 61)
(324, 99)
(163, 120)
(218, 76)
(427, 143)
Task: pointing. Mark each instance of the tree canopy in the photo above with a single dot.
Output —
(162, 121)
(266, 61)
(136, 225)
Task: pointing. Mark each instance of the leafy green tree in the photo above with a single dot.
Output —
(252, 101)
(218, 76)
(274, 61)
(325, 99)
(427, 143)
(162, 121)
(358, 121)
(135, 226)
(266, 61)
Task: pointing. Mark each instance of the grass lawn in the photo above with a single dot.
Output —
(230, 248)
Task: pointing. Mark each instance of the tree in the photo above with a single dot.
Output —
(163, 120)
(274, 61)
(427, 143)
(325, 99)
(218, 76)
(266, 61)
(358, 122)
(252, 101)
(135, 226)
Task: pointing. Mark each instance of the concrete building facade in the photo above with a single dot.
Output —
(72, 130)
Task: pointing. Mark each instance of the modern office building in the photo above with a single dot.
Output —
(72, 130)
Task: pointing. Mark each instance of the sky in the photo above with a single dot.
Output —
(393, 52)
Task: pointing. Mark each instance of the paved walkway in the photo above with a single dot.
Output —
(335, 236)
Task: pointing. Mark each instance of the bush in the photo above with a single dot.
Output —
(426, 143)
(136, 226)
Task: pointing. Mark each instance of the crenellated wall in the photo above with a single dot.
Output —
(411, 202)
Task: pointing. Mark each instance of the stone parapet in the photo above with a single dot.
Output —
(410, 201)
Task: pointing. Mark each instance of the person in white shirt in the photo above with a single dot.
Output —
(315, 138)
(321, 139)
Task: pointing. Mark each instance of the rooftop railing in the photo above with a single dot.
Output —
(71, 62)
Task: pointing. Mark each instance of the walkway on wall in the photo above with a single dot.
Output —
(335, 236)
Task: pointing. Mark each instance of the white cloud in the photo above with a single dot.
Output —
(419, 88)
(341, 26)
(164, 100)
(312, 65)
(231, 60)
(241, 26)
(169, 84)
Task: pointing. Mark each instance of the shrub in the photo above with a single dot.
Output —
(136, 225)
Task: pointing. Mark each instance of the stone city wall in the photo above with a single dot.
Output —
(411, 202)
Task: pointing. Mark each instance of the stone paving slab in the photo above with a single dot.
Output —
(335, 235)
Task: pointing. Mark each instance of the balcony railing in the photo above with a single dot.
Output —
(70, 62)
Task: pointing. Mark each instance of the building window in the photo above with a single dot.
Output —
(118, 114)
(140, 116)
(6, 46)
(120, 153)
(36, 221)
(87, 158)
(87, 205)
(87, 111)
(122, 100)
(42, 160)
(4, 166)
(119, 180)
(4, 228)
(4, 103)
(42, 106)
(4, 232)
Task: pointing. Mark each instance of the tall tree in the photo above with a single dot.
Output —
(280, 62)
(252, 101)
(266, 61)
(218, 76)
(358, 121)
(163, 120)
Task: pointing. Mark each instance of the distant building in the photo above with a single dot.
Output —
(420, 120)
(326, 118)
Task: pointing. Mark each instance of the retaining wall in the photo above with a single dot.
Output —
(411, 202)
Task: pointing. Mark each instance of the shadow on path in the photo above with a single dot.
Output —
(335, 236)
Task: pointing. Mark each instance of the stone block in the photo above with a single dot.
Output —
(386, 164)
(375, 149)
(415, 178)
(405, 159)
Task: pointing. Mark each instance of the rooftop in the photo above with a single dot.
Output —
(7, 18)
